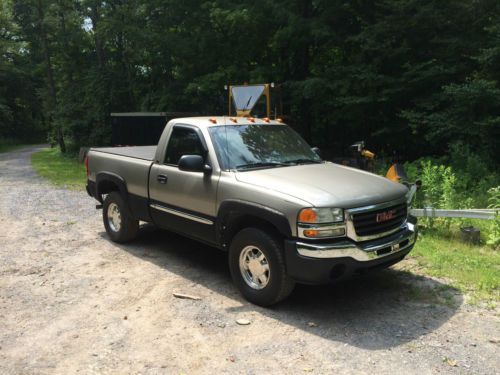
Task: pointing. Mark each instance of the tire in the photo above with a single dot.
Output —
(120, 225)
(254, 250)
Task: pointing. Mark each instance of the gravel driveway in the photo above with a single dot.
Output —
(71, 302)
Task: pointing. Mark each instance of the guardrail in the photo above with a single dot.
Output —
(484, 214)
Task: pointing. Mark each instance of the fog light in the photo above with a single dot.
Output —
(323, 233)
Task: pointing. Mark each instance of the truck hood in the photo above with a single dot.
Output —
(326, 185)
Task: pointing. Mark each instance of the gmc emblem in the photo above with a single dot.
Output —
(384, 216)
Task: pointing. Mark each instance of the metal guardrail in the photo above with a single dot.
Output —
(484, 214)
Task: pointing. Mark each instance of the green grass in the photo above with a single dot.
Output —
(473, 269)
(59, 169)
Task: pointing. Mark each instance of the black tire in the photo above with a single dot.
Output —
(279, 284)
(129, 226)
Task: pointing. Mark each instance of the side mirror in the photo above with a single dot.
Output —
(317, 151)
(193, 163)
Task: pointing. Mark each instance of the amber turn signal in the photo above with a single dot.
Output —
(311, 233)
(308, 215)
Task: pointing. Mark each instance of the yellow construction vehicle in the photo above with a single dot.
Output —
(245, 97)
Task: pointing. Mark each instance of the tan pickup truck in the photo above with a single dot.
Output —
(255, 188)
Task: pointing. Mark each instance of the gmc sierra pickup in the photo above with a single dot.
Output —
(255, 188)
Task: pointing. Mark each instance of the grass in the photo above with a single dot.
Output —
(59, 169)
(473, 269)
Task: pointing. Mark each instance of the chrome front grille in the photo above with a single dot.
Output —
(379, 220)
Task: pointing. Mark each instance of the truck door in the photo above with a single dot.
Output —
(182, 201)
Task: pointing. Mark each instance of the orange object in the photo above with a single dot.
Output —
(233, 119)
(311, 233)
(251, 119)
(212, 120)
(308, 215)
(266, 119)
(368, 154)
(392, 174)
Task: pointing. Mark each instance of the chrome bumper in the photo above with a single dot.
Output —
(364, 251)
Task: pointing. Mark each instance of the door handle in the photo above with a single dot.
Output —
(162, 179)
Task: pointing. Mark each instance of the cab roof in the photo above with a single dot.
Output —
(208, 121)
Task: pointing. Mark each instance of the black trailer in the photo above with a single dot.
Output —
(140, 128)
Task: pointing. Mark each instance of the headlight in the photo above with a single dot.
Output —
(321, 215)
(321, 223)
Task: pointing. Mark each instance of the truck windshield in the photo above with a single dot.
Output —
(244, 147)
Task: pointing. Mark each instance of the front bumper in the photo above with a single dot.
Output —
(318, 263)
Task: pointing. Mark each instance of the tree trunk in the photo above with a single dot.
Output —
(94, 17)
(66, 53)
(50, 73)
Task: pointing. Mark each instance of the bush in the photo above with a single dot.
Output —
(461, 181)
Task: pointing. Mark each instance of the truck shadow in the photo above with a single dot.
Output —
(377, 311)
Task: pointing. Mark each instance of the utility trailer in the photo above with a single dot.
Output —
(140, 128)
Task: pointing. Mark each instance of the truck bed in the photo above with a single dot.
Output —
(137, 152)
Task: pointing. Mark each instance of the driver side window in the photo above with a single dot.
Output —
(183, 141)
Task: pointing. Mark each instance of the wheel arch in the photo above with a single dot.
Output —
(235, 215)
(106, 182)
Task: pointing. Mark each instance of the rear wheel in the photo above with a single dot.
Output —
(258, 267)
(120, 225)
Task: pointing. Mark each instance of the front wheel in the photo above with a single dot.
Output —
(258, 268)
(120, 225)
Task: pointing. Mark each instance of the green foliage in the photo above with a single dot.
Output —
(440, 188)
(461, 181)
(20, 109)
(413, 76)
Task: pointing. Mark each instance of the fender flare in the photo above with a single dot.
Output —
(115, 179)
(231, 210)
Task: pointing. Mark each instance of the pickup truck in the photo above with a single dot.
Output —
(254, 188)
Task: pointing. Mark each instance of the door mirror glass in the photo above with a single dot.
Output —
(192, 163)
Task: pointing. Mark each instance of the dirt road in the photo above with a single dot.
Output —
(72, 302)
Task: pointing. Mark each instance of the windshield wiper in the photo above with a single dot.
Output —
(250, 98)
(304, 161)
(260, 165)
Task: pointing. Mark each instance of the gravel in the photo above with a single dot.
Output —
(72, 301)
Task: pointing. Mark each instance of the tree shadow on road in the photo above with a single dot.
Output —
(377, 311)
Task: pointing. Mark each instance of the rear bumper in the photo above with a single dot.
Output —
(315, 263)
(91, 189)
